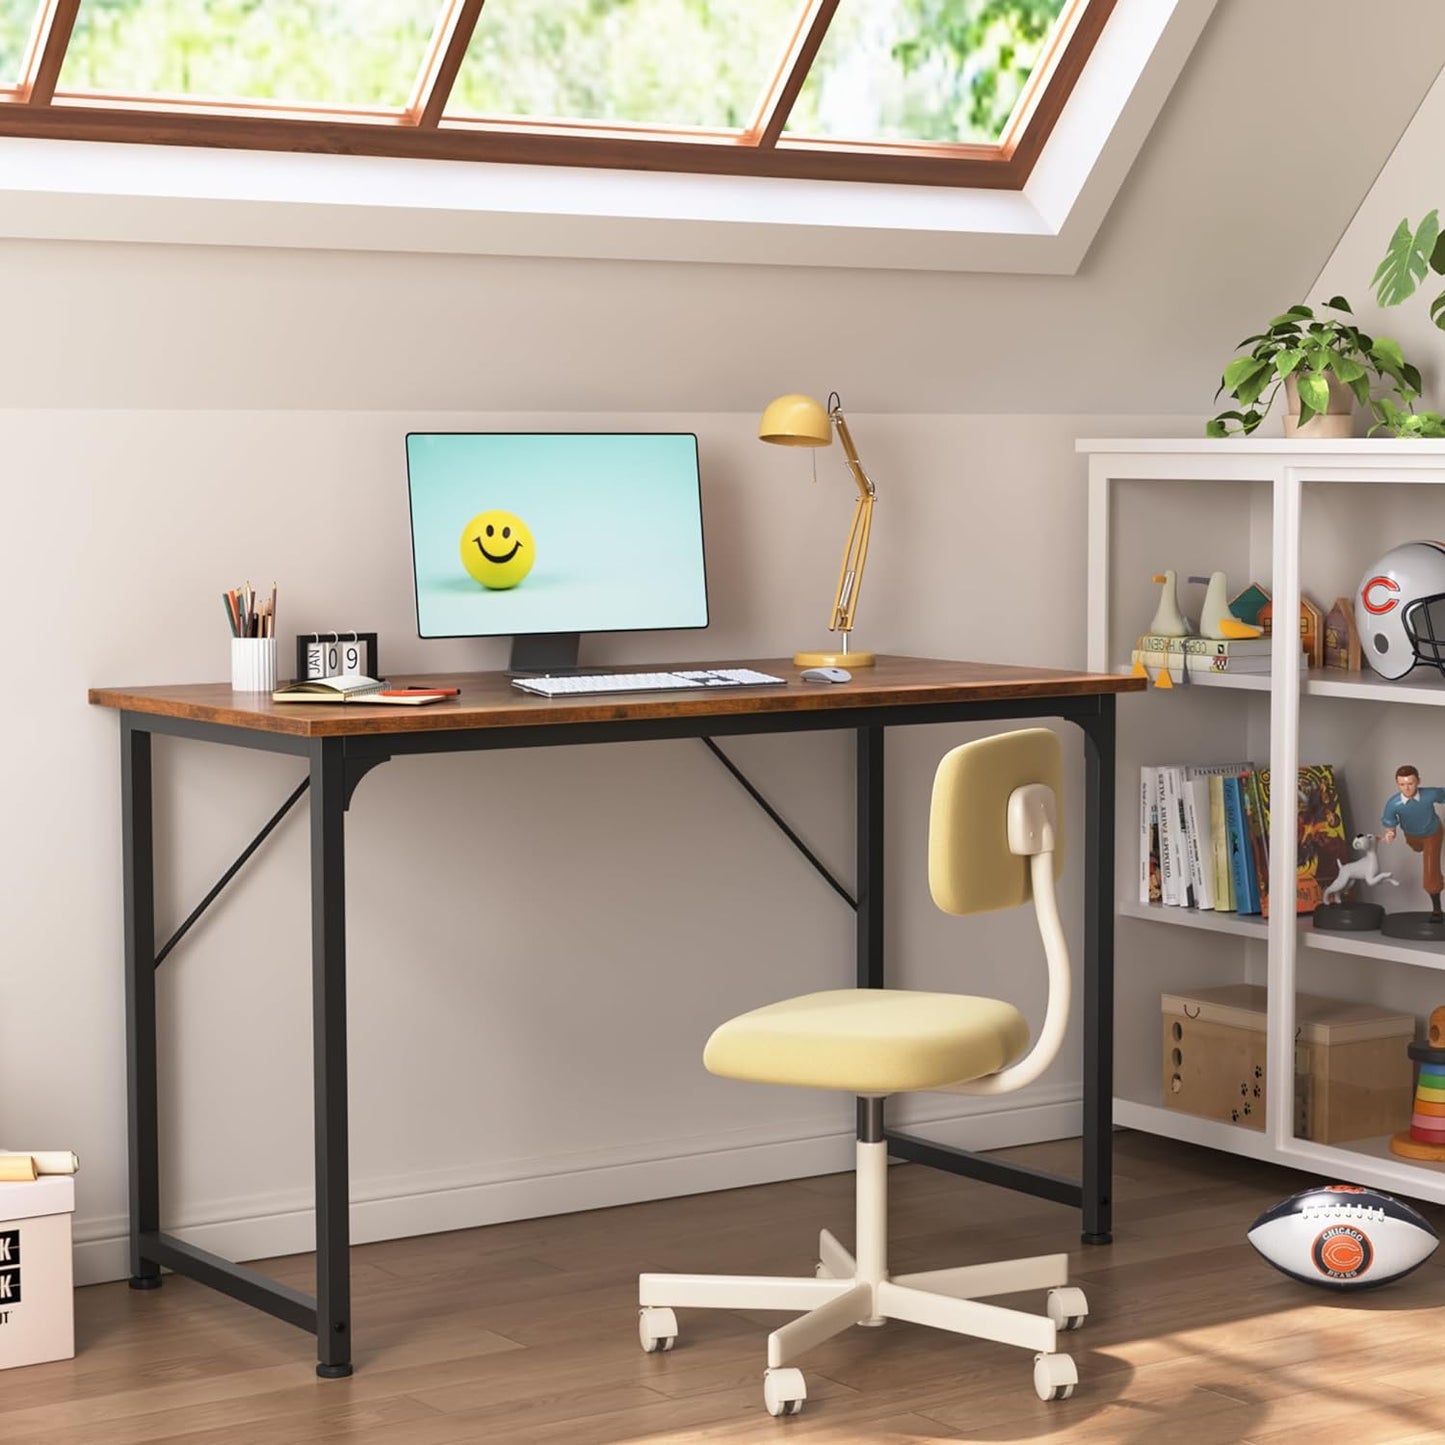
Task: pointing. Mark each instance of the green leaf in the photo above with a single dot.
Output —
(1338, 303)
(1295, 313)
(1406, 260)
(1286, 361)
(1361, 388)
(1314, 392)
(1215, 428)
(1248, 391)
(1437, 311)
(1437, 258)
(1388, 353)
(1345, 367)
(1241, 369)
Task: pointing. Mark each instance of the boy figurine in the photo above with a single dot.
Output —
(1412, 812)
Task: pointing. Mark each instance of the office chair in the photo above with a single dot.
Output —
(994, 841)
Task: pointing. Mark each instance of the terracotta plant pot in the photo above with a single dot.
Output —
(1337, 421)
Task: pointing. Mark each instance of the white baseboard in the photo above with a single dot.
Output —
(430, 1204)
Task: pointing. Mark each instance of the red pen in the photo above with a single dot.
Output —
(420, 692)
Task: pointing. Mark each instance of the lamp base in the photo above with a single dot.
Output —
(832, 659)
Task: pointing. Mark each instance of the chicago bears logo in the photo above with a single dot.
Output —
(1342, 1252)
(1380, 604)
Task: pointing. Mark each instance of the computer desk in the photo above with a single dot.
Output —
(343, 742)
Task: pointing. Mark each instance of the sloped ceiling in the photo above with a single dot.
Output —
(1283, 118)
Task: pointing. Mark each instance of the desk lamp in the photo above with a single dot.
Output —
(800, 421)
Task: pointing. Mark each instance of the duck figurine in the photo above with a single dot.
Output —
(1216, 621)
(1168, 621)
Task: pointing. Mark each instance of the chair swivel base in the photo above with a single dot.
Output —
(841, 1294)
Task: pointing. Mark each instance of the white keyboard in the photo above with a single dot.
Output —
(645, 681)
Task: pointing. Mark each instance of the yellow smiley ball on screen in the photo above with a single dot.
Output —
(497, 549)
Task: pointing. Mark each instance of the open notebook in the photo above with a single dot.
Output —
(353, 687)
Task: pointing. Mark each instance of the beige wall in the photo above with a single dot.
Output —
(530, 984)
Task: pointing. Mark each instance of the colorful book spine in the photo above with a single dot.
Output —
(1256, 821)
(1241, 862)
(1219, 847)
(1196, 821)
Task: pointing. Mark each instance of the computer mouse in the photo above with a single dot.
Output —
(827, 674)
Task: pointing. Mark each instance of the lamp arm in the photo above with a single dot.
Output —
(855, 551)
(865, 483)
(850, 574)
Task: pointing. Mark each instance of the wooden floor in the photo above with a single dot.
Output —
(527, 1332)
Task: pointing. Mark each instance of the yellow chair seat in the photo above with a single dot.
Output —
(869, 1041)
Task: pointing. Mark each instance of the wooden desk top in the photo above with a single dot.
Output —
(488, 700)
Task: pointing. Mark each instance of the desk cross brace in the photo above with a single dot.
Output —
(359, 767)
(782, 824)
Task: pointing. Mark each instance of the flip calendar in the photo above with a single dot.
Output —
(330, 654)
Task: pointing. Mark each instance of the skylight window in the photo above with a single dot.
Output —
(940, 92)
(297, 52)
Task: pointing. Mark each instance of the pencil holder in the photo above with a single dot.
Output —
(253, 664)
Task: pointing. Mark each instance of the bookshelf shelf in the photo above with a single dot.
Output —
(1295, 518)
(1245, 925)
(1240, 681)
(1375, 945)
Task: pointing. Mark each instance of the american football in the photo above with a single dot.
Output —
(1343, 1236)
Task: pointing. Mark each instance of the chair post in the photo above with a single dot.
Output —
(871, 1202)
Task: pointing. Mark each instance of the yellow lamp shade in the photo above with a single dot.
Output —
(795, 421)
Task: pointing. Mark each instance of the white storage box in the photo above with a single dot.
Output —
(37, 1296)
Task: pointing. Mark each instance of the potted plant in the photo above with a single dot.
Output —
(1325, 364)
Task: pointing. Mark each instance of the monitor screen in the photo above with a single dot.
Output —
(555, 532)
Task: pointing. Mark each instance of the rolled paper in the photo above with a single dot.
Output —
(49, 1161)
(16, 1169)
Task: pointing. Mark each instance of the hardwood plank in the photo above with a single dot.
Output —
(525, 1332)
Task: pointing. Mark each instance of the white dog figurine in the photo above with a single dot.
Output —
(1364, 869)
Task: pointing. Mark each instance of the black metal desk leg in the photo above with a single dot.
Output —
(1099, 973)
(869, 844)
(138, 888)
(328, 1025)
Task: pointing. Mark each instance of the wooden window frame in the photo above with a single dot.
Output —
(421, 130)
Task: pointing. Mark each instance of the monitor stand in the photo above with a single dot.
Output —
(545, 652)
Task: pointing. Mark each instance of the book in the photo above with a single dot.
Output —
(1169, 890)
(1241, 862)
(1177, 660)
(1203, 778)
(1149, 878)
(1207, 646)
(1322, 848)
(1195, 792)
(1178, 829)
(1219, 840)
(1256, 827)
(354, 687)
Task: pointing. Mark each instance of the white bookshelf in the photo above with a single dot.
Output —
(1292, 516)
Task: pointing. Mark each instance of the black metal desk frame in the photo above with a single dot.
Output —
(337, 764)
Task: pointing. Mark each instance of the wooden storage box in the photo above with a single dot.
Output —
(37, 1308)
(1353, 1077)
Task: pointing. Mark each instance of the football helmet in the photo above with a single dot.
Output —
(1400, 609)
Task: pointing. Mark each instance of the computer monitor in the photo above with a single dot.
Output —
(542, 536)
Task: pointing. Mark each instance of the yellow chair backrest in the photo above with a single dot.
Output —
(970, 866)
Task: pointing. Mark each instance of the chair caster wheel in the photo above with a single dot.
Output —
(656, 1328)
(1054, 1377)
(784, 1391)
(1067, 1307)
